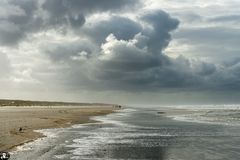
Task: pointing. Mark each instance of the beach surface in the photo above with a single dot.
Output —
(143, 133)
(18, 123)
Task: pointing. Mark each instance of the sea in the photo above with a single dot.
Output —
(143, 133)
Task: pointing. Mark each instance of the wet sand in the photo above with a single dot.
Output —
(18, 123)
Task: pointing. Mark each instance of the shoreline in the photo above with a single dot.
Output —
(19, 124)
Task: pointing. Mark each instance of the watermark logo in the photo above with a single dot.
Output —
(4, 155)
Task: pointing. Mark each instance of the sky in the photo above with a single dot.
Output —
(121, 51)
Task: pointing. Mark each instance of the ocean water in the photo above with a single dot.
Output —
(138, 133)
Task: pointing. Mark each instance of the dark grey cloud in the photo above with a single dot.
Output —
(115, 52)
(128, 54)
(15, 26)
(9, 33)
(60, 13)
(123, 28)
(85, 6)
(68, 52)
(138, 62)
(159, 35)
(205, 69)
(74, 12)
(227, 77)
(133, 60)
(24, 17)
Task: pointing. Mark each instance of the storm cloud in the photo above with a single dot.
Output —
(111, 45)
(19, 18)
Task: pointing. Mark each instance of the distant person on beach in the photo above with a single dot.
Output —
(118, 106)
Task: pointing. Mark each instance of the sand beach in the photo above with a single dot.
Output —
(18, 123)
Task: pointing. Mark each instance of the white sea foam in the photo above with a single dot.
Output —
(62, 156)
(49, 134)
(206, 107)
(201, 119)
